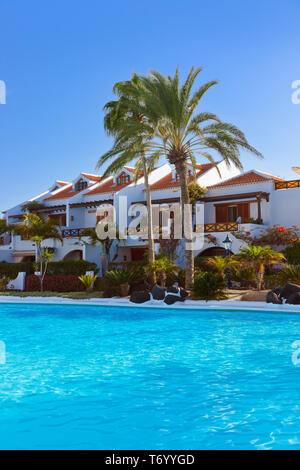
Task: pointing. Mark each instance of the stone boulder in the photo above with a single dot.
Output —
(272, 298)
(289, 289)
(140, 297)
(278, 290)
(158, 293)
(294, 299)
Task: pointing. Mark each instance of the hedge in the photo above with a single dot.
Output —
(55, 267)
(58, 283)
(71, 267)
(12, 269)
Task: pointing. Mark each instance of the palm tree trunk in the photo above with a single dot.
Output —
(151, 250)
(187, 219)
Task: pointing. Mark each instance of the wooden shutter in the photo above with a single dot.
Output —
(221, 214)
(244, 211)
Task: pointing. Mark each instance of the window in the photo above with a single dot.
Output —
(81, 185)
(123, 179)
(232, 213)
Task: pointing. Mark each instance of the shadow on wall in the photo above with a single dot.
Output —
(75, 255)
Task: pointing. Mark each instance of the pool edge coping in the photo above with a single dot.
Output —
(187, 305)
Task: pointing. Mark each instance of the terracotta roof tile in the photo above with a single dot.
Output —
(247, 178)
(168, 181)
(64, 194)
(107, 187)
(91, 177)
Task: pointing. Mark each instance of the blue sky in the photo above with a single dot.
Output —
(60, 59)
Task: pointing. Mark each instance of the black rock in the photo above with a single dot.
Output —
(278, 290)
(294, 299)
(171, 299)
(140, 297)
(158, 293)
(272, 298)
(183, 293)
(289, 289)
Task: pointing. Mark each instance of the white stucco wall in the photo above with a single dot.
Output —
(285, 207)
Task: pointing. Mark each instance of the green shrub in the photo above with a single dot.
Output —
(200, 263)
(242, 274)
(4, 281)
(70, 266)
(289, 274)
(292, 253)
(88, 280)
(55, 267)
(11, 270)
(272, 280)
(209, 286)
(129, 276)
(125, 264)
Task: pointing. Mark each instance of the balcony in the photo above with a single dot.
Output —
(287, 184)
(72, 232)
(221, 227)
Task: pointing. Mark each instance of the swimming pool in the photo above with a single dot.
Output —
(85, 377)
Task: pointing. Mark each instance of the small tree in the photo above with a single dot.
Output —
(38, 230)
(45, 256)
(258, 257)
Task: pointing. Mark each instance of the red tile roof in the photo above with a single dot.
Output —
(107, 187)
(91, 177)
(247, 178)
(64, 194)
(62, 183)
(168, 182)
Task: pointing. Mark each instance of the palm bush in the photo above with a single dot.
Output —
(221, 264)
(161, 269)
(209, 286)
(257, 257)
(129, 276)
(290, 274)
(88, 280)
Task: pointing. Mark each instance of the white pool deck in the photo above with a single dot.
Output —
(188, 304)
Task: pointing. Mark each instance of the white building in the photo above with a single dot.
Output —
(234, 200)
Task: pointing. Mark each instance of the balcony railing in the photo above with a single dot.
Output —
(287, 184)
(71, 232)
(221, 227)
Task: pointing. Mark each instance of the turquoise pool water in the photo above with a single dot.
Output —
(80, 377)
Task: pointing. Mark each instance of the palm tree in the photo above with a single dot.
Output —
(125, 122)
(38, 230)
(106, 243)
(257, 257)
(221, 263)
(171, 126)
